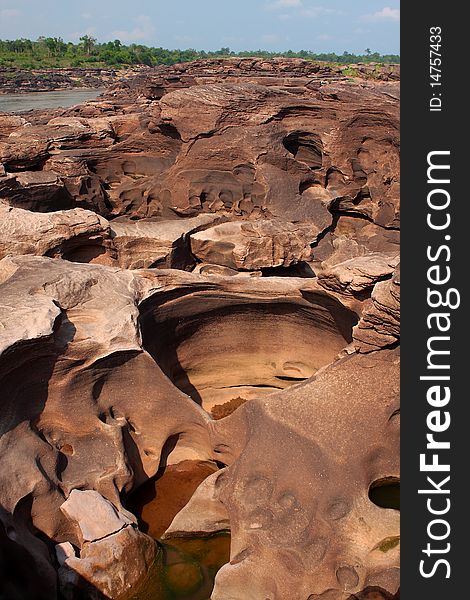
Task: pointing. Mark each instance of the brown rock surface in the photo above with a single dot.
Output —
(276, 182)
(379, 326)
(357, 274)
(114, 555)
(69, 234)
(144, 244)
(290, 328)
(204, 513)
(114, 565)
(45, 80)
(242, 245)
(301, 525)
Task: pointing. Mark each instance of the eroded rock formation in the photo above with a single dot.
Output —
(211, 238)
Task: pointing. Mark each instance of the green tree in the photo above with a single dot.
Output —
(88, 43)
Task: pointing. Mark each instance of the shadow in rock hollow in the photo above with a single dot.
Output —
(23, 398)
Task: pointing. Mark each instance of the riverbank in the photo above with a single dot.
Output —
(23, 103)
(20, 81)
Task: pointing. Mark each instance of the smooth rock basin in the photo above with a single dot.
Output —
(216, 348)
(185, 567)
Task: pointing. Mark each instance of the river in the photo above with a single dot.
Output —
(41, 100)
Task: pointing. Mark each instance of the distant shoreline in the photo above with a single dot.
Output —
(23, 81)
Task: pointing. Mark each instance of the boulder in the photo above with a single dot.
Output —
(76, 234)
(246, 245)
(144, 244)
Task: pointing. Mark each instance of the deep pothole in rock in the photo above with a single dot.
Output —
(158, 500)
(220, 349)
(186, 566)
(185, 569)
(385, 493)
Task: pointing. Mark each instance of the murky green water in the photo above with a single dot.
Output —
(185, 569)
(42, 100)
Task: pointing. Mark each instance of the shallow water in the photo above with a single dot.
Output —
(43, 100)
(185, 569)
(158, 500)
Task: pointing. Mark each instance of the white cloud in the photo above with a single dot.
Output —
(297, 8)
(144, 30)
(316, 11)
(285, 4)
(386, 14)
(9, 13)
(76, 35)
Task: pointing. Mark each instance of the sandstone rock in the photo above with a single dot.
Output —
(357, 274)
(9, 123)
(143, 244)
(63, 551)
(221, 338)
(301, 524)
(30, 154)
(114, 556)
(203, 514)
(74, 422)
(254, 245)
(379, 326)
(215, 103)
(94, 516)
(35, 190)
(19, 81)
(312, 145)
(262, 168)
(76, 234)
(111, 567)
(220, 271)
(162, 497)
(350, 238)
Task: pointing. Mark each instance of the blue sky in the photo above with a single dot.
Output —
(316, 25)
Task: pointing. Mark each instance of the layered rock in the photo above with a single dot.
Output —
(46, 80)
(73, 423)
(149, 157)
(218, 339)
(144, 244)
(74, 234)
(379, 326)
(242, 245)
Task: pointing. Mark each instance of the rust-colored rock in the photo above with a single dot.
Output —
(217, 238)
(302, 526)
(242, 245)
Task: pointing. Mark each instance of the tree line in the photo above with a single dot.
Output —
(53, 52)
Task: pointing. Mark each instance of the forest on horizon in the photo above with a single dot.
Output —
(53, 52)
